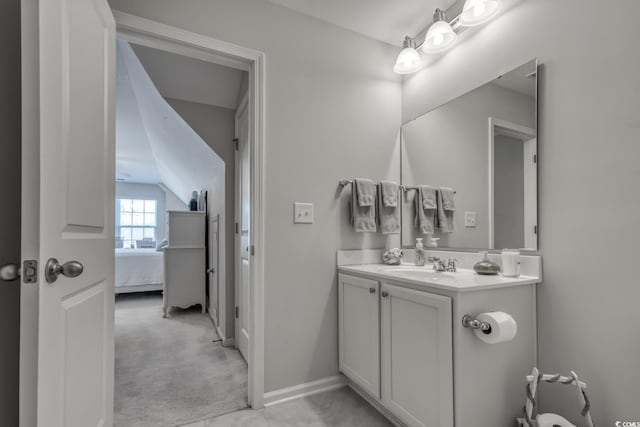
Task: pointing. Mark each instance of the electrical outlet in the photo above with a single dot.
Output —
(470, 219)
(303, 213)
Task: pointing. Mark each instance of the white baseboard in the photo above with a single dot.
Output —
(302, 390)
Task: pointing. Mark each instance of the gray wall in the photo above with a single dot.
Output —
(448, 147)
(10, 212)
(588, 146)
(509, 192)
(328, 117)
(216, 126)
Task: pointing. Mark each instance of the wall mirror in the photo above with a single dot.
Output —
(483, 145)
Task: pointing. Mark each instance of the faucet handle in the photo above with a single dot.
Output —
(452, 264)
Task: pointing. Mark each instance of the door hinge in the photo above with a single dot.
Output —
(30, 271)
(535, 229)
(535, 158)
(237, 312)
(236, 142)
(253, 251)
(237, 228)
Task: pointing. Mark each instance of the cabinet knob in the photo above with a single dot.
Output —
(384, 294)
(372, 290)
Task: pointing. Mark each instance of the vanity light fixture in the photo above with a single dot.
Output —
(409, 59)
(440, 35)
(477, 12)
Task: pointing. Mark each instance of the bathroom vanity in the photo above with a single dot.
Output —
(404, 348)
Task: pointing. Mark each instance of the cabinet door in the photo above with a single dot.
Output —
(417, 374)
(359, 310)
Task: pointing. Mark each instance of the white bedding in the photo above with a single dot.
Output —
(138, 270)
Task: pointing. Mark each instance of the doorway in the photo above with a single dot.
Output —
(175, 158)
(513, 185)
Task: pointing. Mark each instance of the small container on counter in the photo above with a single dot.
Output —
(510, 262)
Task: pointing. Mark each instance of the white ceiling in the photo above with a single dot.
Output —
(134, 157)
(189, 79)
(385, 20)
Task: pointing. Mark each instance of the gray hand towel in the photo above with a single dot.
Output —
(389, 191)
(446, 208)
(424, 208)
(388, 216)
(366, 191)
(363, 218)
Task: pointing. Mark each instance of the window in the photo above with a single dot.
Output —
(136, 223)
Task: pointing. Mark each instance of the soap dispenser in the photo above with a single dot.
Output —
(420, 258)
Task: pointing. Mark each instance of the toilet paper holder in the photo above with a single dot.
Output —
(470, 322)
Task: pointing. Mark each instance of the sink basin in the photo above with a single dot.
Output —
(418, 272)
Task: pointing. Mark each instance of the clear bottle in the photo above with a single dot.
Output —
(420, 258)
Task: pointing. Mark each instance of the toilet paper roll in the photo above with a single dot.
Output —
(503, 327)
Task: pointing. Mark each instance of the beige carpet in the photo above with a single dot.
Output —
(170, 372)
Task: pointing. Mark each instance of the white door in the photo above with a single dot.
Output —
(359, 326)
(212, 271)
(76, 69)
(243, 241)
(417, 370)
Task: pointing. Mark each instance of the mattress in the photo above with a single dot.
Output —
(140, 268)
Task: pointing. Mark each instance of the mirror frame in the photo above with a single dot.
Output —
(492, 124)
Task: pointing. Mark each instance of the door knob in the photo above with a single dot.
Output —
(53, 269)
(9, 272)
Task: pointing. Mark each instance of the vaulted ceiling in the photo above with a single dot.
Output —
(385, 20)
(153, 143)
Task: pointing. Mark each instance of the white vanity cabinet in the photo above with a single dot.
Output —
(395, 344)
(404, 348)
(416, 356)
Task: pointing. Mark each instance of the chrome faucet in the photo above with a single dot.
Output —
(452, 264)
(438, 264)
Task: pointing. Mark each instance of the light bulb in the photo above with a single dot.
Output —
(408, 61)
(439, 38)
(477, 12)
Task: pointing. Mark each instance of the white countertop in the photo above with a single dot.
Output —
(460, 281)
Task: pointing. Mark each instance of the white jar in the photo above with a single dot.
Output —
(510, 262)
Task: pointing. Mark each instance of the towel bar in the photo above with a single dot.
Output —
(409, 188)
(345, 182)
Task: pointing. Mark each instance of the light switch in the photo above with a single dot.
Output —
(470, 219)
(303, 213)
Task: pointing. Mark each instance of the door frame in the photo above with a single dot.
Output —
(169, 38)
(529, 137)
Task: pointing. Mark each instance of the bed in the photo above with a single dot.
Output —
(139, 270)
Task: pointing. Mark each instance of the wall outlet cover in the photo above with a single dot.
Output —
(302, 213)
(470, 219)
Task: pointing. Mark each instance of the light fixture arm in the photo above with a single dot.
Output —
(439, 15)
(409, 42)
